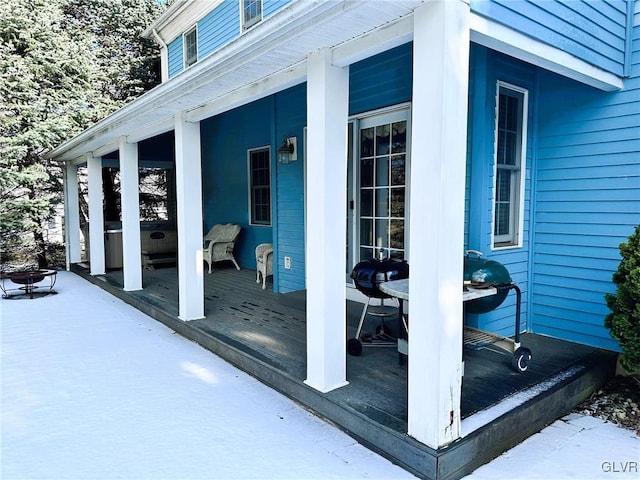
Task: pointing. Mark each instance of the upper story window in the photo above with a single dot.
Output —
(251, 11)
(260, 185)
(510, 157)
(190, 44)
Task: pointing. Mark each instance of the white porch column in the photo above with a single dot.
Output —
(190, 235)
(327, 114)
(130, 200)
(436, 243)
(96, 215)
(72, 214)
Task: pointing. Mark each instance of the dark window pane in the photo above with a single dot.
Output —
(502, 219)
(260, 187)
(503, 186)
(382, 171)
(382, 140)
(366, 253)
(398, 165)
(397, 234)
(382, 233)
(397, 254)
(399, 137)
(366, 232)
(366, 142)
(397, 202)
(382, 202)
(366, 203)
(366, 173)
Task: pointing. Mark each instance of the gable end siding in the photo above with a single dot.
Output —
(591, 31)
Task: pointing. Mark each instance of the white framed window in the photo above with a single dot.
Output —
(250, 13)
(190, 46)
(509, 165)
(260, 185)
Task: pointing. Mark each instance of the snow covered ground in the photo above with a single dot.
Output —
(94, 389)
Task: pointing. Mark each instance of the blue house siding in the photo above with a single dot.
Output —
(269, 7)
(216, 29)
(174, 52)
(591, 31)
(225, 140)
(486, 68)
(380, 81)
(290, 118)
(377, 82)
(219, 27)
(587, 201)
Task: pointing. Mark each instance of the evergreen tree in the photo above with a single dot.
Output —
(64, 64)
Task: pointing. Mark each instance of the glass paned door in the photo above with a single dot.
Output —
(381, 167)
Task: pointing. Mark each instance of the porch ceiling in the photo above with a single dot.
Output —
(267, 58)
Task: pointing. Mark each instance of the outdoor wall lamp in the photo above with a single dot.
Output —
(288, 151)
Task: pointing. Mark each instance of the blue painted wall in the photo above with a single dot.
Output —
(219, 27)
(215, 30)
(593, 31)
(290, 117)
(380, 81)
(587, 200)
(226, 138)
(486, 68)
(582, 194)
(225, 141)
(176, 61)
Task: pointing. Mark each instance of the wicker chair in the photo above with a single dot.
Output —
(219, 244)
(264, 262)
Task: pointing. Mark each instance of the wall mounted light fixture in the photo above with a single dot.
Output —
(288, 151)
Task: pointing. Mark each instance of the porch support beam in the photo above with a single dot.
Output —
(72, 214)
(96, 215)
(327, 115)
(130, 199)
(189, 203)
(436, 243)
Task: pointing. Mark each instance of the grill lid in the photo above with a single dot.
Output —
(369, 274)
(485, 272)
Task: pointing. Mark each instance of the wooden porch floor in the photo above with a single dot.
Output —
(264, 334)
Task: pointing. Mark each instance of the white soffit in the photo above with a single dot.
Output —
(515, 44)
(267, 58)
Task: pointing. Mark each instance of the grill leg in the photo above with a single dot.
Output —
(362, 317)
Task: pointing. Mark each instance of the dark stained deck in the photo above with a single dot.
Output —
(264, 334)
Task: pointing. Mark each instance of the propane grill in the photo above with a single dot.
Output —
(367, 277)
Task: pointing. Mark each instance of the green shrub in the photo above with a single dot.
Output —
(624, 319)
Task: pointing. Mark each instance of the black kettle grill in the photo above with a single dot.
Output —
(367, 277)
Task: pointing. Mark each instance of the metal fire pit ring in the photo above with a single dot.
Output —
(28, 280)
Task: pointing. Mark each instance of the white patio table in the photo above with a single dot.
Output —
(521, 356)
(400, 290)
